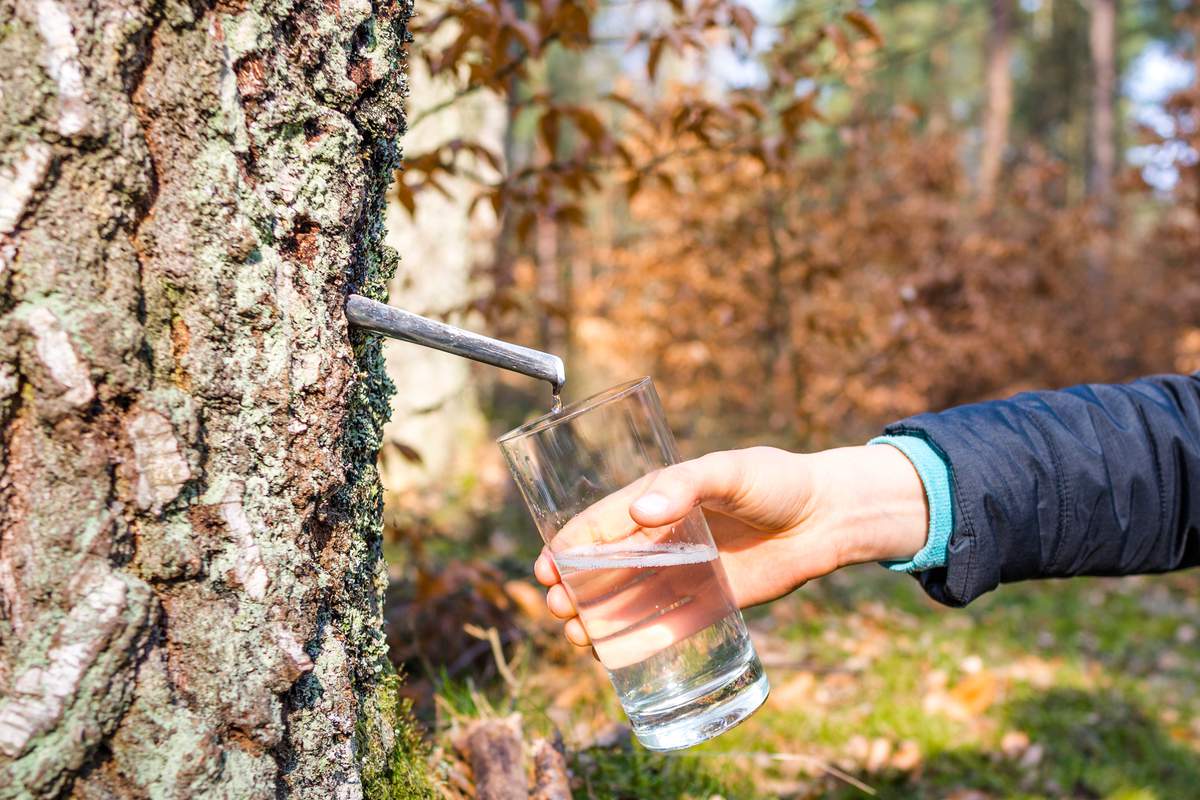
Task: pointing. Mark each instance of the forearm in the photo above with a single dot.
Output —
(1095, 480)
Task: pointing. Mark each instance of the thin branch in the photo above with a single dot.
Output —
(492, 636)
(501, 74)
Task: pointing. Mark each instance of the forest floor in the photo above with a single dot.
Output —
(1084, 689)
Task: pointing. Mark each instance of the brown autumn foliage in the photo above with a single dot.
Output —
(497, 46)
(795, 293)
(844, 291)
(1175, 240)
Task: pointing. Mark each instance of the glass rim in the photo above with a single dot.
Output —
(572, 410)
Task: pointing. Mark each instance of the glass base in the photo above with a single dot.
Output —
(710, 714)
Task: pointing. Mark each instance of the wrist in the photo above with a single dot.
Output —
(870, 502)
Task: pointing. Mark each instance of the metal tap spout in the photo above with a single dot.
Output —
(381, 318)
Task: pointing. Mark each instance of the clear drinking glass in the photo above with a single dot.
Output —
(655, 602)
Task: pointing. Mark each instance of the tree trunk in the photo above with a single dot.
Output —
(507, 247)
(190, 575)
(998, 109)
(1102, 37)
(1102, 41)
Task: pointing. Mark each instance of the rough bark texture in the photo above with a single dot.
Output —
(190, 573)
(997, 110)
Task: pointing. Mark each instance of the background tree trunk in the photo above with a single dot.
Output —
(1102, 41)
(997, 110)
(190, 575)
(1102, 36)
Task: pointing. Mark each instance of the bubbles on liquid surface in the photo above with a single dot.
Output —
(623, 556)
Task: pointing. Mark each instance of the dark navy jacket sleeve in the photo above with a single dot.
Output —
(1092, 480)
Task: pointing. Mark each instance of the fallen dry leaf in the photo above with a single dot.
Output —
(1014, 743)
(793, 692)
(976, 693)
(529, 600)
(878, 754)
(907, 756)
(968, 794)
(1038, 672)
(574, 692)
(857, 747)
(972, 664)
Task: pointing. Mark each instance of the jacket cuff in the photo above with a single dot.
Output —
(935, 477)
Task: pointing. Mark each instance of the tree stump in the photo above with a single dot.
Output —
(494, 750)
(551, 779)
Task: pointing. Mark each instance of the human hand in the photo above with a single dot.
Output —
(779, 519)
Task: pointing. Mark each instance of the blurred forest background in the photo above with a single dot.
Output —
(804, 220)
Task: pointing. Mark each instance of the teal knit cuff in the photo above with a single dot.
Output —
(935, 477)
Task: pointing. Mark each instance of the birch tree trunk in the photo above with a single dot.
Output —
(190, 576)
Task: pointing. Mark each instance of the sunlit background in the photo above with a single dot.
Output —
(804, 220)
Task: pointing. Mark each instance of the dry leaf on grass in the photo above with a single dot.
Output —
(907, 757)
(530, 601)
(793, 692)
(976, 693)
(878, 754)
(968, 794)
(1014, 743)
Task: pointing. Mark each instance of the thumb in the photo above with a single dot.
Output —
(716, 480)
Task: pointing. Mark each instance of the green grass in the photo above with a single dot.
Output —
(1110, 701)
(1083, 689)
(629, 772)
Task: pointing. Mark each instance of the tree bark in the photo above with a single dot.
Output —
(1102, 37)
(997, 111)
(190, 574)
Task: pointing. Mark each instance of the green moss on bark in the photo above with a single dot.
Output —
(394, 760)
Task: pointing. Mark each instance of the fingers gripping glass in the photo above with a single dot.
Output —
(655, 602)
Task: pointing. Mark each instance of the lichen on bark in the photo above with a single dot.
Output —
(190, 569)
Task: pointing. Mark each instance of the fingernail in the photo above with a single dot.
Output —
(651, 505)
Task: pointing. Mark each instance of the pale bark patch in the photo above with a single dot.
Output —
(8, 383)
(161, 468)
(248, 565)
(62, 62)
(8, 252)
(16, 554)
(298, 661)
(55, 351)
(41, 692)
(306, 369)
(20, 181)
